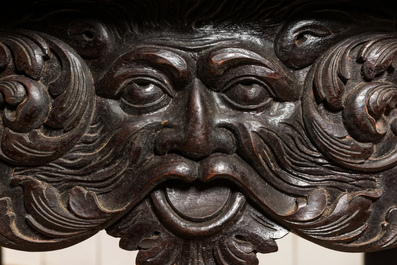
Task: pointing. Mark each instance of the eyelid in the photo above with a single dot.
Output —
(147, 105)
(257, 107)
(118, 78)
(244, 72)
(159, 80)
(216, 72)
(147, 61)
(254, 79)
(142, 107)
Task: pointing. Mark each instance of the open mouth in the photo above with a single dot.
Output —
(202, 196)
(210, 207)
(197, 209)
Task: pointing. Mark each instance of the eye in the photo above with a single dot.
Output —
(89, 37)
(247, 94)
(143, 95)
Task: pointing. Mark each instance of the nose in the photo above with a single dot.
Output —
(195, 132)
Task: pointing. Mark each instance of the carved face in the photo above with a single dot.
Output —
(196, 137)
(197, 114)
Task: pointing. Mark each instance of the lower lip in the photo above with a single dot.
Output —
(197, 210)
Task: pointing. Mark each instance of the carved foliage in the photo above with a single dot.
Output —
(310, 34)
(53, 223)
(234, 243)
(192, 141)
(350, 119)
(349, 111)
(47, 98)
(47, 101)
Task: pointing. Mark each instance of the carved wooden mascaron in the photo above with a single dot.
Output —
(198, 131)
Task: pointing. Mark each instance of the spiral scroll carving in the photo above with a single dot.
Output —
(200, 133)
(47, 98)
(47, 101)
(350, 103)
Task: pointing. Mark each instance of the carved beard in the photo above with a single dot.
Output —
(274, 168)
(127, 176)
(122, 168)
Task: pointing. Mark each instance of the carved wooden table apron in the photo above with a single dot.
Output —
(198, 131)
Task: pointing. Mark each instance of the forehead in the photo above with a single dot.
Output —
(200, 43)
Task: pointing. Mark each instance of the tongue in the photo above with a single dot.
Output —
(198, 203)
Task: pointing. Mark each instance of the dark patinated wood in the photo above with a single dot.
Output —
(198, 132)
(381, 257)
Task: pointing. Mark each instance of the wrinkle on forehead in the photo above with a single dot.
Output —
(204, 41)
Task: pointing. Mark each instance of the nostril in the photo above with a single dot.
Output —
(224, 140)
(166, 140)
(171, 141)
(199, 135)
(219, 140)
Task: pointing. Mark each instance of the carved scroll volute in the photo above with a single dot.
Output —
(195, 140)
(349, 106)
(47, 98)
(308, 36)
(47, 102)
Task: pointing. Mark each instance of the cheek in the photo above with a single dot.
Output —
(283, 112)
(275, 117)
(111, 115)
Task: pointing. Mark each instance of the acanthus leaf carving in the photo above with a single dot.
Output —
(236, 244)
(344, 223)
(53, 221)
(365, 119)
(349, 119)
(20, 114)
(200, 143)
(310, 34)
(44, 114)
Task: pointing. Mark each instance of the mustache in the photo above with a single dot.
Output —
(122, 169)
(231, 168)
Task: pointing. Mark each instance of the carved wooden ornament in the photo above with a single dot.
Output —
(198, 131)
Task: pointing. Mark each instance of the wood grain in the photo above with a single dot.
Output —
(198, 132)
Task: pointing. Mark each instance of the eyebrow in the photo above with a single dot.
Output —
(220, 61)
(125, 66)
(223, 59)
(170, 60)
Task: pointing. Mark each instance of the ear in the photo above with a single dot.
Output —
(301, 41)
(349, 106)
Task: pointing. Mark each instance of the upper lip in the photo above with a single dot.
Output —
(217, 166)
